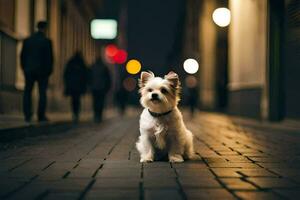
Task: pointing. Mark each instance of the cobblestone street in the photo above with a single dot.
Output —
(101, 162)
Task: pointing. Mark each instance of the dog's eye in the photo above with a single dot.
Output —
(163, 90)
(149, 90)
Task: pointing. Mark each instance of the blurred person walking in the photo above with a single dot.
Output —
(192, 94)
(75, 81)
(121, 98)
(100, 85)
(37, 65)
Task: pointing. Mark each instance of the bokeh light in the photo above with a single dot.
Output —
(104, 28)
(222, 17)
(191, 66)
(129, 84)
(111, 50)
(133, 66)
(120, 57)
(191, 81)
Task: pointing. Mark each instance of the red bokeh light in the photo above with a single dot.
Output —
(111, 50)
(120, 57)
(115, 55)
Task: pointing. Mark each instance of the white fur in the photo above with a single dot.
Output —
(165, 133)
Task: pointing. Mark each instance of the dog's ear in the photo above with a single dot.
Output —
(145, 76)
(172, 77)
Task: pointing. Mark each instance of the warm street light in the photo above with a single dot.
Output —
(222, 17)
(133, 66)
(191, 66)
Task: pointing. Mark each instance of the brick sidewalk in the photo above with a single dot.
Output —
(101, 162)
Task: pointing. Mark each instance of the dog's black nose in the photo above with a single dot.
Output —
(154, 96)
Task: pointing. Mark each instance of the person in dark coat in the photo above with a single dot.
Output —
(100, 85)
(37, 65)
(75, 81)
(121, 98)
(192, 93)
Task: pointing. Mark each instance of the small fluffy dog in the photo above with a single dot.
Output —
(161, 125)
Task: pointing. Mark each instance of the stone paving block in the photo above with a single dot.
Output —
(90, 163)
(257, 195)
(24, 174)
(257, 173)
(295, 178)
(164, 182)
(114, 183)
(52, 174)
(68, 184)
(34, 164)
(11, 164)
(265, 159)
(62, 195)
(29, 192)
(155, 194)
(208, 194)
(254, 154)
(198, 182)
(202, 172)
(190, 165)
(233, 165)
(134, 156)
(112, 194)
(227, 153)
(121, 173)
(119, 156)
(238, 159)
(288, 193)
(226, 172)
(157, 172)
(273, 183)
(206, 153)
(9, 185)
(122, 165)
(219, 148)
(237, 184)
(157, 165)
(215, 159)
(288, 172)
(82, 172)
(276, 165)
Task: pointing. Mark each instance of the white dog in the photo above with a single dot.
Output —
(161, 125)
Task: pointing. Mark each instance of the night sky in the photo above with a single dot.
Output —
(154, 33)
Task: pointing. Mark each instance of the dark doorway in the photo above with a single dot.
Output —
(276, 78)
(222, 68)
(222, 63)
(291, 60)
(284, 59)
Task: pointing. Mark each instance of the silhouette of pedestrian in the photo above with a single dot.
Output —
(100, 85)
(75, 80)
(121, 98)
(36, 62)
(192, 94)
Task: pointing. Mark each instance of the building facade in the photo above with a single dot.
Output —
(251, 67)
(69, 31)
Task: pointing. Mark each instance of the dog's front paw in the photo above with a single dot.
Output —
(146, 160)
(175, 158)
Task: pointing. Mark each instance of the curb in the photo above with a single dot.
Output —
(16, 133)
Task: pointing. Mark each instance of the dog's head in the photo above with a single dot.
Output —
(159, 94)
